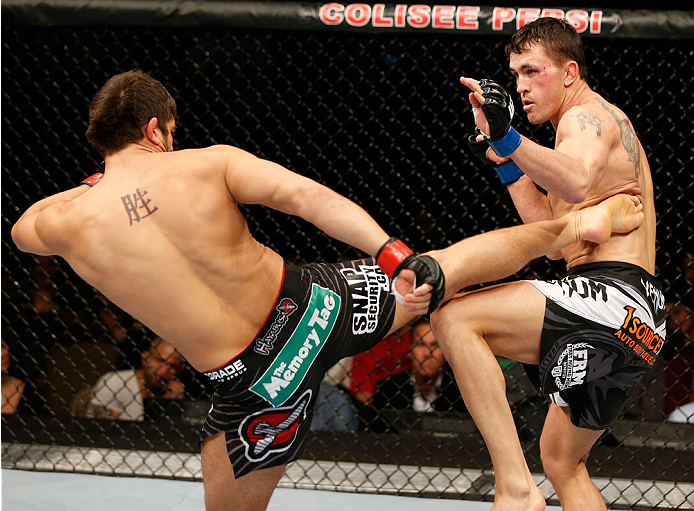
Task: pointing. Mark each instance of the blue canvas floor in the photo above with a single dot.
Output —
(51, 491)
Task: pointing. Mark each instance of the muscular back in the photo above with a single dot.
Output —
(622, 167)
(162, 237)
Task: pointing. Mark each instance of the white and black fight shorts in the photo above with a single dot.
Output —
(264, 398)
(603, 329)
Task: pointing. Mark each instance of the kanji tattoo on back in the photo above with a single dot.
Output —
(137, 206)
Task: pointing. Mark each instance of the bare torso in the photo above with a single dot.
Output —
(162, 237)
(626, 171)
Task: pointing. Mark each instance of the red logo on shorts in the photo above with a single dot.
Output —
(287, 306)
(273, 430)
(264, 345)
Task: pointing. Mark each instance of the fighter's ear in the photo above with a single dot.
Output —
(151, 131)
(572, 72)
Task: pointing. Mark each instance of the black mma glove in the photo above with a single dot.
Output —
(394, 256)
(507, 171)
(498, 109)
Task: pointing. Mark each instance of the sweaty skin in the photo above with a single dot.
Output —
(596, 151)
(162, 236)
(136, 236)
(141, 227)
(627, 171)
(596, 157)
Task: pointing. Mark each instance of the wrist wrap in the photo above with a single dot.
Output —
(506, 144)
(92, 180)
(508, 172)
(394, 256)
(391, 254)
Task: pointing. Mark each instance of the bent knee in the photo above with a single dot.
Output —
(452, 317)
(555, 467)
(449, 314)
(558, 466)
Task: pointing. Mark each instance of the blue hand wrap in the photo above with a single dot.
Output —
(509, 172)
(506, 144)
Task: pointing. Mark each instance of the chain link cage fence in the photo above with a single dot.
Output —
(382, 119)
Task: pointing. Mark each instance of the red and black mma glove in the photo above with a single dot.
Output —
(498, 110)
(394, 256)
(507, 171)
(94, 178)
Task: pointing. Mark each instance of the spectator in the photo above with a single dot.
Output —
(427, 385)
(121, 337)
(405, 370)
(335, 406)
(388, 357)
(111, 319)
(679, 374)
(41, 310)
(12, 387)
(334, 410)
(44, 305)
(121, 394)
(95, 347)
(428, 364)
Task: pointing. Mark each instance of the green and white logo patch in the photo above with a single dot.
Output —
(289, 368)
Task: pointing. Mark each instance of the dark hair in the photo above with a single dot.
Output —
(559, 38)
(123, 106)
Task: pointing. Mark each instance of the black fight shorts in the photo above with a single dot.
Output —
(603, 329)
(264, 397)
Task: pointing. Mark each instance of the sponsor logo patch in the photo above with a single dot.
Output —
(286, 372)
(273, 430)
(571, 365)
(263, 345)
(585, 288)
(366, 283)
(654, 294)
(228, 372)
(637, 335)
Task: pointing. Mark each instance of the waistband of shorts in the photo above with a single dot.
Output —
(615, 269)
(290, 271)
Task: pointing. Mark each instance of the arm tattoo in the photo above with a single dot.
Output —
(585, 118)
(629, 140)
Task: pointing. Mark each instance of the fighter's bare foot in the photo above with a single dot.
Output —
(531, 500)
(617, 215)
